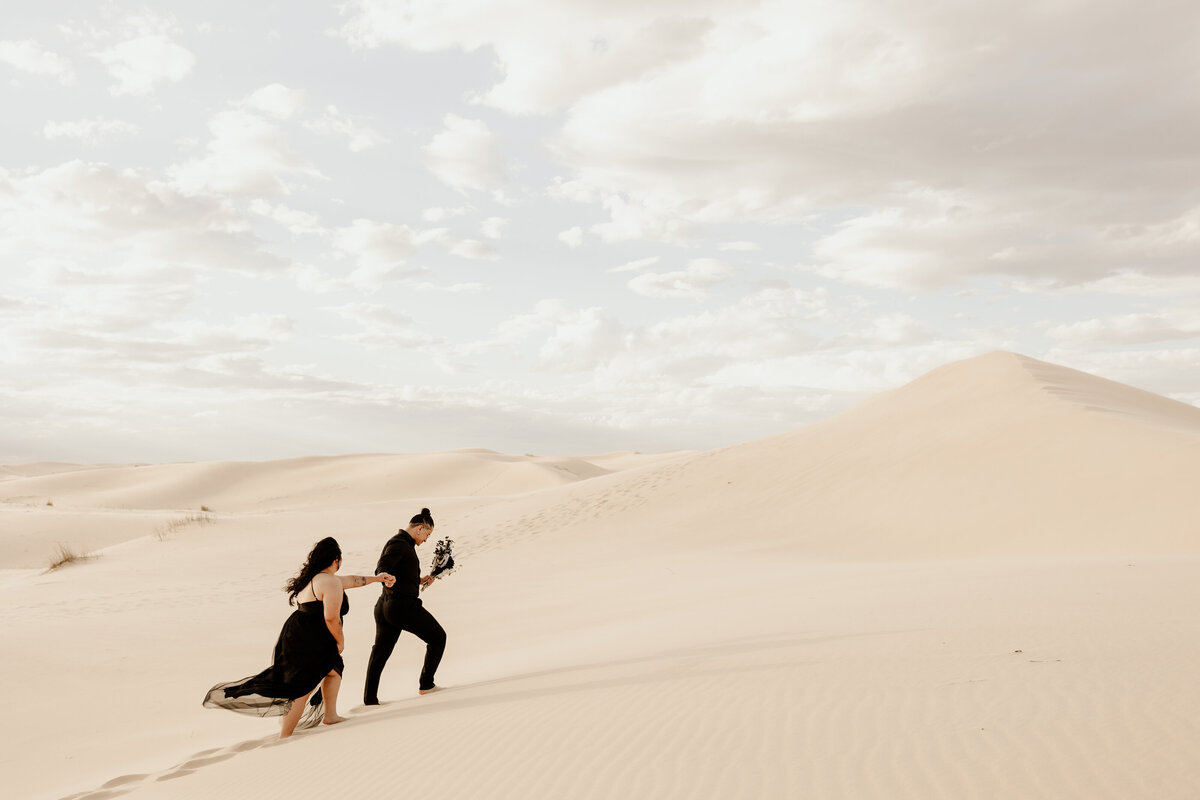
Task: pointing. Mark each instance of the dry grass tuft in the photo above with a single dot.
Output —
(67, 555)
(191, 519)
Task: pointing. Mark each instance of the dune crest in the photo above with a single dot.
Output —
(999, 454)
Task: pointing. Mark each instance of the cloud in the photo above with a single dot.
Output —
(247, 155)
(581, 340)
(121, 329)
(472, 249)
(465, 155)
(438, 214)
(358, 135)
(1120, 282)
(1169, 371)
(31, 57)
(890, 330)
(139, 64)
(493, 227)
(1130, 329)
(276, 100)
(587, 47)
(634, 266)
(295, 221)
(89, 131)
(572, 237)
(743, 247)
(691, 283)
(380, 243)
(384, 327)
(81, 218)
(381, 251)
(934, 143)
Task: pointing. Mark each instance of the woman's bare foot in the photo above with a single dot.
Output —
(333, 720)
(429, 690)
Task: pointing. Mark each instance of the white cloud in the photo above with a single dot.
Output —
(744, 247)
(92, 218)
(572, 237)
(359, 136)
(576, 339)
(381, 250)
(472, 249)
(138, 64)
(247, 155)
(88, 131)
(690, 283)
(634, 266)
(295, 221)
(586, 47)
(438, 214)
(379, 242)
(890, 330)
(1130, 329)
(493, 227)
(1169, 371)
(277, 101)
(684, 115)
(32, 58)
(1121, 282)
(465, 155)
(582, 341)
(384, 327)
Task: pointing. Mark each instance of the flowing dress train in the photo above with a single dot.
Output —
(304, 654)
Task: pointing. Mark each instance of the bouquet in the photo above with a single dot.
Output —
(443, 558)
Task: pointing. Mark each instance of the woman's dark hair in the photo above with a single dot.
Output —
(422, 519)
(324, 553)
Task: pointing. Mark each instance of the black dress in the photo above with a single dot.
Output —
(304, 654)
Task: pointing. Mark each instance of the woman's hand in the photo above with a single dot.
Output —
(341, 646)
(387, 579)
(426, 582)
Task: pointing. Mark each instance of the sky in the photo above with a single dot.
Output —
(262, 230)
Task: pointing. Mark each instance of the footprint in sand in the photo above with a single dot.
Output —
(204, 762)
(179, 773)
(124, 780)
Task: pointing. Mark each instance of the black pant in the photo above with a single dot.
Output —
(392, 617)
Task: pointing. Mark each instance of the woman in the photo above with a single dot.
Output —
(308, 651)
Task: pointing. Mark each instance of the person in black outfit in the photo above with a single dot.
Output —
(399, 608)
(308, 653)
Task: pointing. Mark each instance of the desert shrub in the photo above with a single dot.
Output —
(168, 528)
(65, 554)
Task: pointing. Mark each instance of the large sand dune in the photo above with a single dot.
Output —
(981, 584)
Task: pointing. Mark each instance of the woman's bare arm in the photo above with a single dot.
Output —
(354, 581)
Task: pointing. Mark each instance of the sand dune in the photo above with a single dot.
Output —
(998, 455)
(981, 584)
(275, 485)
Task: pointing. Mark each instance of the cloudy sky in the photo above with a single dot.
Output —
(268, 229)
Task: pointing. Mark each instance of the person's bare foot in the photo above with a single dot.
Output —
(333, 720)
(429, 690)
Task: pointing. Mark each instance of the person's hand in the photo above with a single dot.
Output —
(387, 579)
(341, 646)
(426, 582)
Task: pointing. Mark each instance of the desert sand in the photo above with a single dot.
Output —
(983, 584)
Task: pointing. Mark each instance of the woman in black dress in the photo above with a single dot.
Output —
(308, 651)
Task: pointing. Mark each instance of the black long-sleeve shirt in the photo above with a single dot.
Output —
(399, 558)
